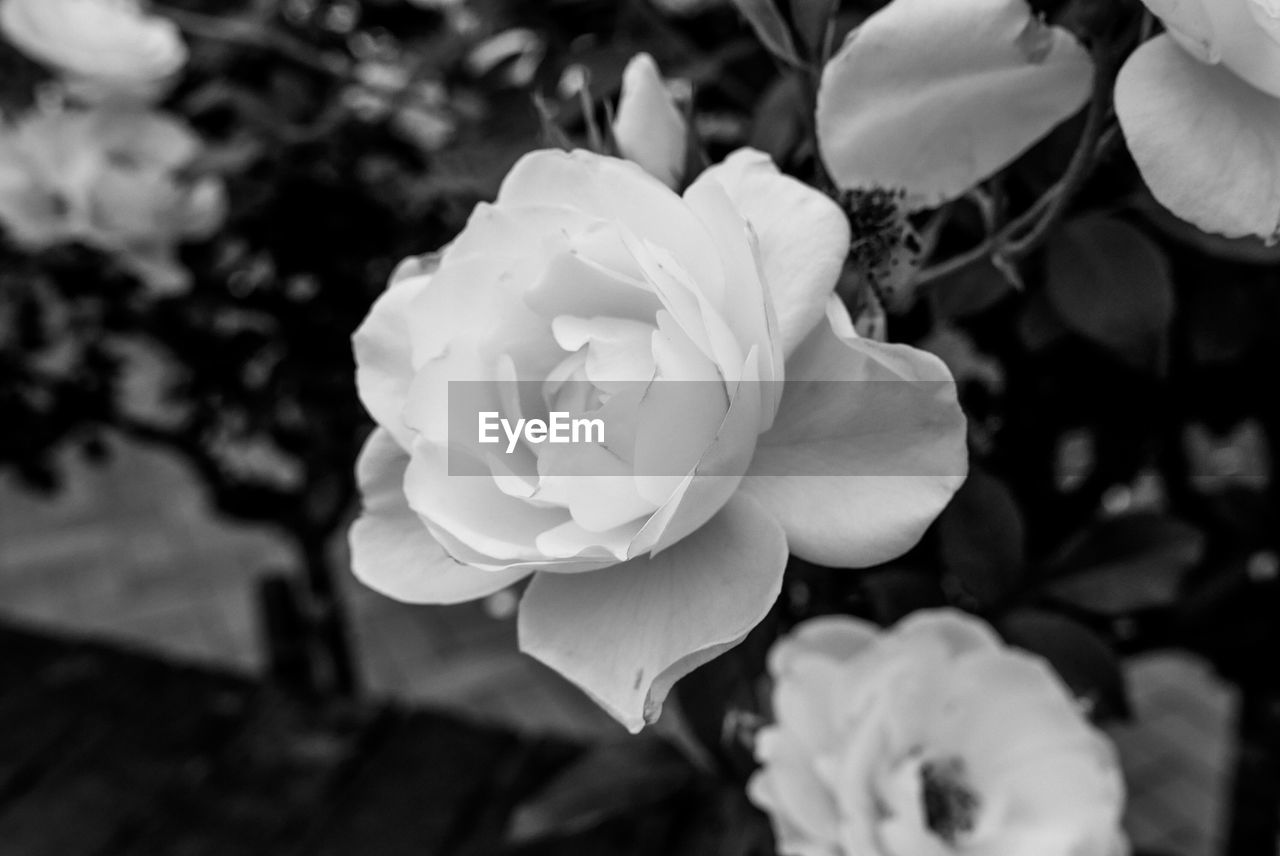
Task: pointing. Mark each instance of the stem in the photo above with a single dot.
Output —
(330, 618)
(1079, 169)
(1026, 232)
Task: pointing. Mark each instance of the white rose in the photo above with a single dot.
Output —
(928, 739)
(106, 48)
(110, 179)
(1198, 105)
(654, 551)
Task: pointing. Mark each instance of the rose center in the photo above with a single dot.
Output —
(950, 806)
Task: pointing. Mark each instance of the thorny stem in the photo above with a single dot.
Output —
(1028, 230)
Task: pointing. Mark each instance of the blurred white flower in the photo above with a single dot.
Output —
(927, 739)
(1200, 109)
(104, 48)
(111, 179)
(649, 128)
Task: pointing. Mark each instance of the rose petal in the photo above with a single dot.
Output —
(1206, 142)
(933, 96)
(474, 510)
(391, 550)
(649, 129)
(856, 470)
(791, 787)
(835, 637)
(627, 633)
(617, 191)
(715, 479)
(384, 366)
(803, 238)
(1189, 23)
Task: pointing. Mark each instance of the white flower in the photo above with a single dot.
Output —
(110, 179)
(106, 48)
(929, 739)
(588, 275)
(649, 128)
(1200, 109)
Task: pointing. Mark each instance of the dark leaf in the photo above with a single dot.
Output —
(770, 27)
(1084, 661)
(612, 780)
(969, 291)
(1127, 563)
(897, 592)
(1039, 327)
(813, 20)
(1110, 283)
(777, 128)
(982, 537)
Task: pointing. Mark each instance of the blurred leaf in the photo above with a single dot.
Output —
(813, 20)
(1110, 283)
(612, 780)
(1225, 319)
(777, 128)
(1039, 327)
(1084, 661)
(896, 592)
(772, 30)
(969, 291)
(982, 537)
(1127, 563)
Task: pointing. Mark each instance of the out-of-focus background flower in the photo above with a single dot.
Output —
(200, 200)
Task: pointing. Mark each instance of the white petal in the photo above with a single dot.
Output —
(803, 238)
(626, 634)
(1206, 142)
(384, 364)
(868, 448)
(933, 96)
(617, 191)
(391, 550)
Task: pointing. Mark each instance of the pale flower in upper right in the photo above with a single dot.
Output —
(1200, 109)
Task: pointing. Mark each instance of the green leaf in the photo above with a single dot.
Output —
(1112, 284)
(1081, 658)
(610, 781)
(1127, 563)
(770, 27)
(982, 537)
